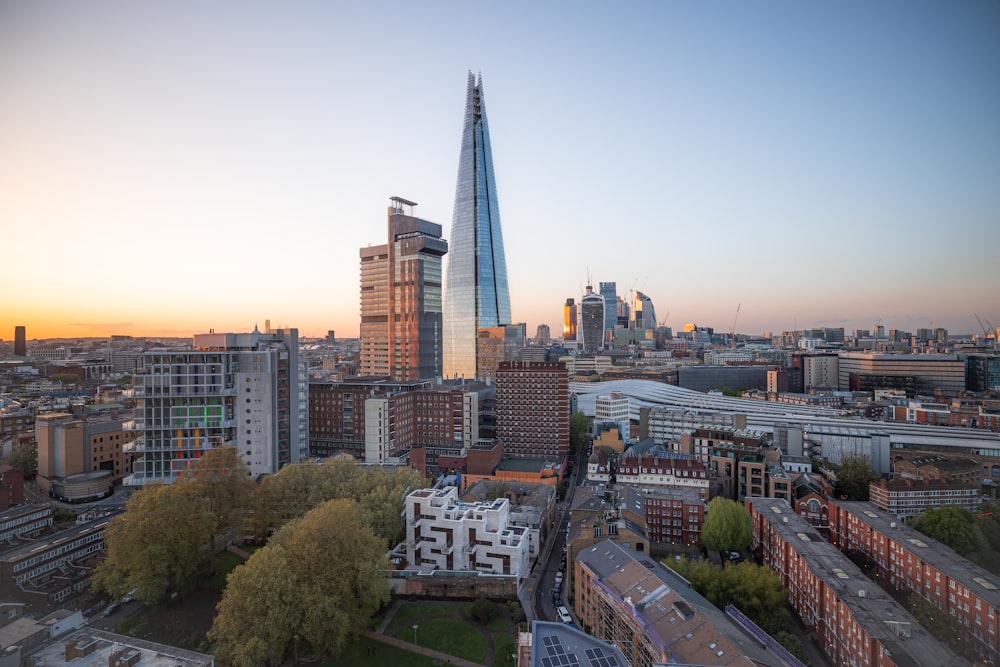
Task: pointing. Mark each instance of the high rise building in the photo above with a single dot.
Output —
(642, 311)
(542, 335)
(532, 408)
(401, 328)
(569, 321)
(609, 292)
(242, 390)
(476, 293)
(20, 344)
(592, 320)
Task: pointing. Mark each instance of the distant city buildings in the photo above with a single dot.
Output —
(20, 342)
(592, 320)
(476, 293)
(401, 316)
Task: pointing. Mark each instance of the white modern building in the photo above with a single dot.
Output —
(242, 390)
(613, 407)
(446, 533)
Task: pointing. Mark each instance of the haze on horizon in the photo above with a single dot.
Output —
(166, 169)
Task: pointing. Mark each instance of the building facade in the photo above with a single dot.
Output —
(856, 623)
(533, 408)
(476, 293)
(228, 389)
(569, 322)
(401, 305)
(592, 320)
(446, 533)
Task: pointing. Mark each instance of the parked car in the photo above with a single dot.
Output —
(564, 614)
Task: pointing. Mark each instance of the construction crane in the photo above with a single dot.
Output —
(732, 329)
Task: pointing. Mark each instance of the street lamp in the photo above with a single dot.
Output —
(415, 626)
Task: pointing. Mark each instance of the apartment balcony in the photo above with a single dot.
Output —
(469, 548)
(448, 548)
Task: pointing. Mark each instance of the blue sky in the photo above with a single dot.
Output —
(175, 167)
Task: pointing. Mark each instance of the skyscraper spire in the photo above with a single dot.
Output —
(476, 293)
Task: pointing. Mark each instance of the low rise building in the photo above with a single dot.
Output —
(855, 621)
(445, 533)
(909, 497)
(910, 560)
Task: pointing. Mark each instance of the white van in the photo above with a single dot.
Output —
(564, 614)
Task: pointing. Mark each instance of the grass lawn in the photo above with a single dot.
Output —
(445, 634)
(385, 656)
(224, 563)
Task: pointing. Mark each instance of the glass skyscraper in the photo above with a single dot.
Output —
(476, 293)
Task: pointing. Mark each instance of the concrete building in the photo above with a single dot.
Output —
(855, 621)
(20, 342)
(81, 459)
(401, 318)
(613, 407)
(533, 408)
(820, 370)
(913, 373)
(592, 316)
(558, 644)
(90, 647)
(445, 533)
(239, 389)
(909, 497)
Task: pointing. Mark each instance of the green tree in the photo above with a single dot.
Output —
(578, 431)
(727, 527)
(156, 545)
(222, 479)
(951, 525)
(247, 630)
(65, 378)
(332, 582)
(854, 476)
(482, 611)
(25, 459)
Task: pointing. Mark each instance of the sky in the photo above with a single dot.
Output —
(167, 168)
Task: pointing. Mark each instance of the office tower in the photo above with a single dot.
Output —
(476, 294)
(608, 291)
(592, 320)
(401, 325)
(542, 335)
(496, 345)
(642, 311)
(532, 408)
(20, 344)
(239, 389)
(569, 321)
(624, 313)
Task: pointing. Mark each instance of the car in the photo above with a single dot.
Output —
(563, 613)
(557, 588)
(112, 608)
(559, 576)
(735, 556)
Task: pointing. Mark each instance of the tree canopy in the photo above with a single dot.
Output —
(951, 525)
(727, 527)
(167, 533)
(577, 431)
(319, 580)
(854, 476)
(156, 544)
(25, 459)
(300, 487)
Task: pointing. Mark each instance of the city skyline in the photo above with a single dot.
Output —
(813, 165)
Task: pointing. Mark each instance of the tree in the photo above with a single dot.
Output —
(248, 631)
(578, 431)
(727, 527)
(222, 479)
(482, 611)
(951, 525)
(25, 459)
(854, 476)
(156, 545)
(66, 378)
(332, 581)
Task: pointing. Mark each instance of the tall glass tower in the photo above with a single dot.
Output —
(476, 293)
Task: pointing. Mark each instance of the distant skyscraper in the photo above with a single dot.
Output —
(20, 344)
(542, 335)
(609, 292)
(476, 294)
(569, 321)
(401, 332)
(592, 320)
(642, 311)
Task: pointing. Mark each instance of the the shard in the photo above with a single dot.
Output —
(476, 293)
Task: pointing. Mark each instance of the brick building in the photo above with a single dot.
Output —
(533, 408)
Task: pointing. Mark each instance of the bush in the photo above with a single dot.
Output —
(482, 611)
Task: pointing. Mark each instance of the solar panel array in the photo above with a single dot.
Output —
(556, 655)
